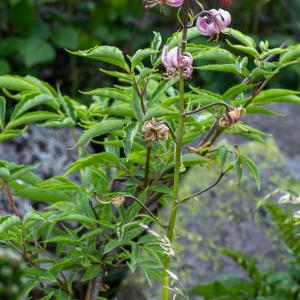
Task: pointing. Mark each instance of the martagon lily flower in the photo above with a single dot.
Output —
(177, 63)
(214, 22)
(173, 3)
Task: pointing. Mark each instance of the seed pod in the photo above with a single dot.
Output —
(155, 131)
(232, 116)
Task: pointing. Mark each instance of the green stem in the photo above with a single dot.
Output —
(177, 161)
(147, 169)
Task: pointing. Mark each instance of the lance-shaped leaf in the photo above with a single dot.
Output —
(104, 127)
(32, 117)
(237, 35)
(111, 93)
(249, 50)
(215, 54)
(252, 168)
(108, 54)
(277, 95)
(93, 160)
(237, 90)
(30, 101)
(293, 53)
(137, 104)
(2, 112)
(140, 55)
(227, 68)
(16, 83)
(158, 111)
(130, 132)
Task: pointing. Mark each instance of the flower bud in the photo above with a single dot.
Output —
(155, 131)
(225, 3)
(172, 3)
(232, 116)
(177, 63)
(214, 22)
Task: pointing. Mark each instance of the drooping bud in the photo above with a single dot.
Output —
(172, 3)
(155, 131)
(225, 3)
(177, 63)
(214, 22)
(118, 200)
(232, 116)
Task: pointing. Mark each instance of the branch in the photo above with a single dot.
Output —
(10, 199)
(203, 191)
(205, 107)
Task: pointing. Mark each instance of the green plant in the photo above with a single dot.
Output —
(100, 222)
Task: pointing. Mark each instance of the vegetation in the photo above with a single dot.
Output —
(138, 143)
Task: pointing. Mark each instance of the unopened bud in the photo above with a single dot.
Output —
(118, 200)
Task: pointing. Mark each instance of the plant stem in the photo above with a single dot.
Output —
(205, 107)
(177, 162)
(10, 198)
(147, 169)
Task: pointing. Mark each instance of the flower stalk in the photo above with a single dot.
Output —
(178, 150)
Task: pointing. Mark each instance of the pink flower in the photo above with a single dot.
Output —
(173, 3)
(214, 22)
(177, 63)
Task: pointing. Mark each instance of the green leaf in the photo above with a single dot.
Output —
(237, 90)
(244, 39)
(36, 51)
(129, 134)
(223, 154)
(215, 54)
(111, 93)
(39, 194)
(137, 104)
(162, 89)
(30, 101)
(7, 222)
(155, 45)
(123, 110)
(140, 55)
(80, 218)
(91, 272)
(104, 127)
(249, 50)
(65, 37)
(292, 54)
(120, 75)
(16, 83)
(277, 95)
(158, 111)
(108, 54)
(2, 112)
(32, 117)
(229, 68)
(4, 173)
(93, 160)
(252, 168)
(262, 110)
(10, 134)
(238, 170)
(191, 159)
